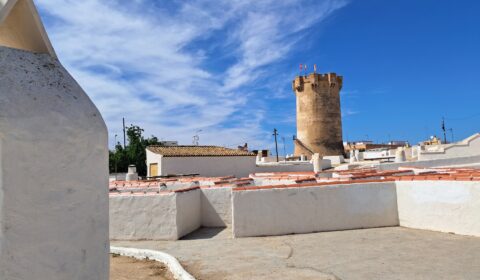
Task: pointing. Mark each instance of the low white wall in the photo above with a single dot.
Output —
(287, 167)
(168, 216)
(313, 209)
(117, 177)
(431, 163)
(447, 206)
(216, 207)
(334, 160)
(239, 166)
(189, 215)
(152, 217)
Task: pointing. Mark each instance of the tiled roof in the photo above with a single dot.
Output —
(197, 151)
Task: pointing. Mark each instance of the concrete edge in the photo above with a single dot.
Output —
(171, 262)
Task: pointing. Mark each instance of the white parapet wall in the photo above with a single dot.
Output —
(137, 217)
(289, 166)
(164, 216)
(446, 206)
(278, 211)
(189, 213)
(216, 207)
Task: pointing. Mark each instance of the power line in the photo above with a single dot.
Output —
(463, 118)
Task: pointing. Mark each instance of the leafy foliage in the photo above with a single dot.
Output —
(133, 153)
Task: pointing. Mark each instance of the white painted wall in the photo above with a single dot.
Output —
(189, 212)
(216, 207)
(167, 216)
(466, 148)
(314, 209)
(239, 166)
(153, 158)
(152, 217)
(334, 160)
(53, 173)
(289, 166)
(447, 206)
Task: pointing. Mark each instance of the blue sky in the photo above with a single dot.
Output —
(225, 67)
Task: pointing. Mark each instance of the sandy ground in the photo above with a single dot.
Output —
(380, 253)
(124, 268)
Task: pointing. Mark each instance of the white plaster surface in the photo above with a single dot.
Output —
(289, 166)
(447, 206)
(267, 182)
(153, 158)
(216, 207)
(143, 217)
(189, 213)
(53, 173)
(167, 216)
(239, 166)
(314, 209)
(335, 160)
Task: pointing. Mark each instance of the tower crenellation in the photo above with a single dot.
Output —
(317, 80)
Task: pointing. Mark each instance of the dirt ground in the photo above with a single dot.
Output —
(125, 268)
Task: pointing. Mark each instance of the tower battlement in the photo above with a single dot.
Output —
(317, 80)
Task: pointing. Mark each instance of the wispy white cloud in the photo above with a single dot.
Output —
(149, 61)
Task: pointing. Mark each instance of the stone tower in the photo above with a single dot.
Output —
(319, 120)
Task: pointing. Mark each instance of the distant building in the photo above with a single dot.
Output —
(399, 142)
(369, 145)
(202, 160)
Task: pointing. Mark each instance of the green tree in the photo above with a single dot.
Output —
(133, 153)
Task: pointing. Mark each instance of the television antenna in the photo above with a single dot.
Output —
(196, 138)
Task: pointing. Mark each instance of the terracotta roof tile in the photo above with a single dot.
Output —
(197, 151)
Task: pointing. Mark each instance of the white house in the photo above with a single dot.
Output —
(204, 160)
(466, 148)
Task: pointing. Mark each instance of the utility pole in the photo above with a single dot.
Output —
(124, 135)
(275, 133)
(444, 131)
(115, 157)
